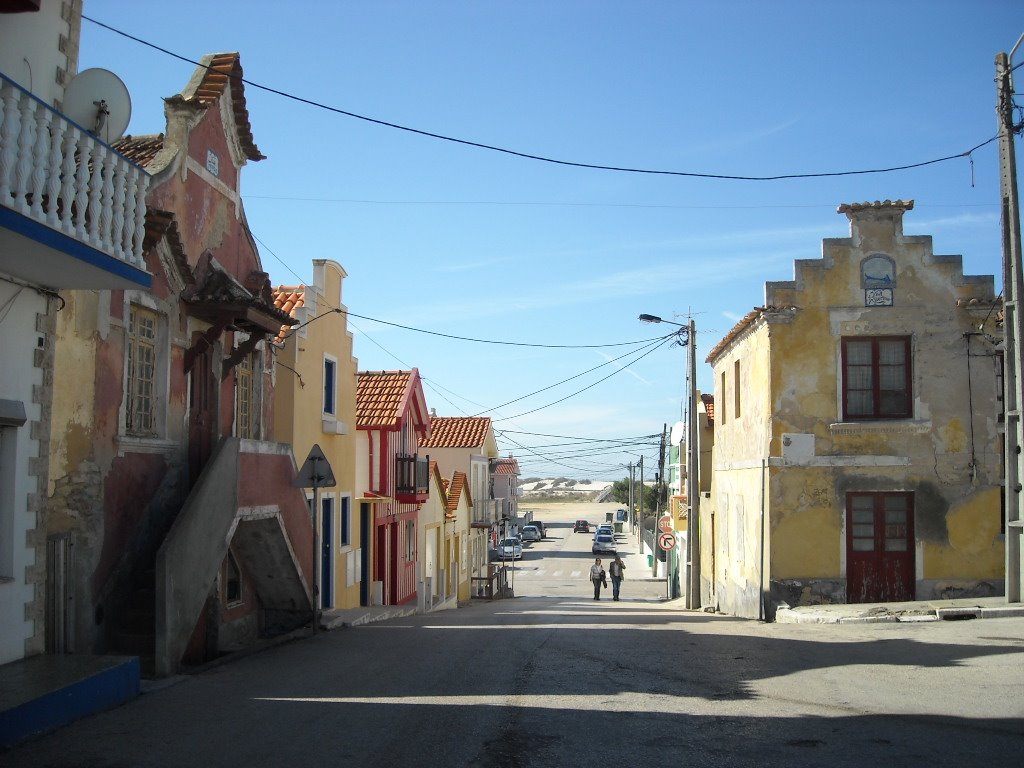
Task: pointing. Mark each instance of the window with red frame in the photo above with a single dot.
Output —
(876, 377)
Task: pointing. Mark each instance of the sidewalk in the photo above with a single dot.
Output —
(917, 611)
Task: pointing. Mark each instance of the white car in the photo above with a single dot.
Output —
(531, 533)
(510, 549)
(604, 541)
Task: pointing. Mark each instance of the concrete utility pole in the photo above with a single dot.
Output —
(692, 481)
(632, 511)
(1013, 289)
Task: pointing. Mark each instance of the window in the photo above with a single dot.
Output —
(140, 416)
(880, 522)
(410, 540)
(876, 377)
(232, 581)
(345, 524)
(736, 389)
(246, 399)
(722, 414)
(330, 368)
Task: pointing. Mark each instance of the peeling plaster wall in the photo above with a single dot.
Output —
(740, 445)
(947, 452)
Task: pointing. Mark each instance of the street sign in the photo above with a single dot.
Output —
(665, 524)
(316, 472)
(667, 541)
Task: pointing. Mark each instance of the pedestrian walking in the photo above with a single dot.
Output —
(617, 570)
(597, 576)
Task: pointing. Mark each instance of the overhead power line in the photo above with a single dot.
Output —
(541, 158)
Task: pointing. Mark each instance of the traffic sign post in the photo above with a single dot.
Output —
(316, 473)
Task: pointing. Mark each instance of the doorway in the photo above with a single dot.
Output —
(879, 547)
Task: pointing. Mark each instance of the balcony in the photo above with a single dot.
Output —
(412, 479)
(72, 210)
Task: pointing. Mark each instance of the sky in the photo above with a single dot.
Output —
(460, 240)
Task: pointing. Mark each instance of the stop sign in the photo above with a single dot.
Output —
(665, 524)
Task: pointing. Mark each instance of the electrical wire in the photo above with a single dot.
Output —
(528, 155)
(571, 378)
(653, 348)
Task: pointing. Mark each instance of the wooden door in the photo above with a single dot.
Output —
(879, 547)
(201, 414)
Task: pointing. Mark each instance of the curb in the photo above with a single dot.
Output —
(924, 615)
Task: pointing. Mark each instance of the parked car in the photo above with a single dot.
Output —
(531, 533)
(605, 528)
(540, 527)
(510, 549)
(603, 542)
(581, 526)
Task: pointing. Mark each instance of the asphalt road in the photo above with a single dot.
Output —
(563, 681)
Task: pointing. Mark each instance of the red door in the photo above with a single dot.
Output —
(879, 547)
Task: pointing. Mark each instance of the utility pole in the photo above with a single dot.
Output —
(692, 481)
(658, 489)
(1013, 289)
(632, 511)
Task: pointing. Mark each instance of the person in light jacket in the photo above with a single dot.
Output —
(597, 577)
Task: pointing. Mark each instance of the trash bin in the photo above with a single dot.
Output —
(608, 516)
(618, 527)
(650, 561)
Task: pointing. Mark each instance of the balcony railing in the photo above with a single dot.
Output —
(412, 478)
(56, 173)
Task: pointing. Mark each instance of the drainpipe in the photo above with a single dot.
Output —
(760, 607)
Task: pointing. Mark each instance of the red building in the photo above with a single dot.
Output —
(392, 418)
(189, 539)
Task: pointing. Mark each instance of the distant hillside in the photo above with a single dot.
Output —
(564, 488)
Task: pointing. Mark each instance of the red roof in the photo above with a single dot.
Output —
(709, 407)
(288, 299)
(382, 398)
(507, 466)
(455, 490)
(140, 149)
(457, 432)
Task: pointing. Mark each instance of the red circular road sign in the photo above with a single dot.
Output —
(667, 541)
(665, 524)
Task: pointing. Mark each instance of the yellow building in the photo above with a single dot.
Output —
(315, 404)
(856, 438)
(467, 444)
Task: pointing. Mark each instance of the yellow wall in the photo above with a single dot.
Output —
(298, 406)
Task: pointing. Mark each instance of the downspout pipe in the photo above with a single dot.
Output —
(761, 606)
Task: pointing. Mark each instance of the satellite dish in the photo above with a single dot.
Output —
(98, 101)
(678, 433)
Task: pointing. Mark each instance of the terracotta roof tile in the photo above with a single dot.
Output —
(219, 71)
(457, 432)
(709, 407)
(906, 205)
(288, 299)
(742, 325)
(455, 490)
(507, 466)
(140, 149)
(380, 396)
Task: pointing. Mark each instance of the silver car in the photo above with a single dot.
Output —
(531, 533)
(510, 549)
(603, 542)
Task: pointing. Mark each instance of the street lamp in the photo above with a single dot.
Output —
(686, 337)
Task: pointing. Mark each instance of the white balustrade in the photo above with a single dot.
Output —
(58, 174)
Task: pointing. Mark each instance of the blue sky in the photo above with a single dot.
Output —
(463, 241)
